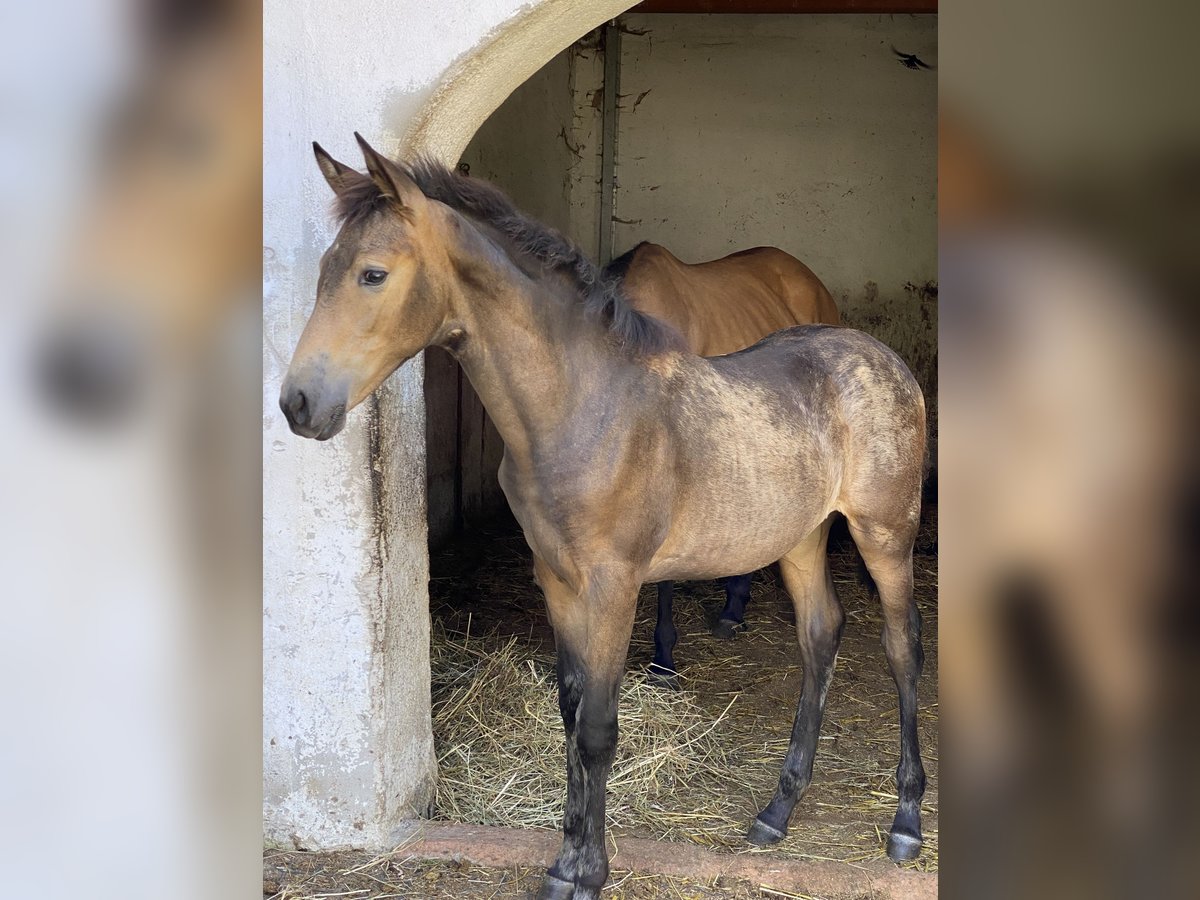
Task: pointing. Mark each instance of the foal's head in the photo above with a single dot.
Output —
(381, 294)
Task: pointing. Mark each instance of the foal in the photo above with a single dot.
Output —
(625, 458)
(720, 307)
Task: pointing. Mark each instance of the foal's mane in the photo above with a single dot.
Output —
(600, 291)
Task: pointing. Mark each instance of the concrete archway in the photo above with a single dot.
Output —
(481, 80)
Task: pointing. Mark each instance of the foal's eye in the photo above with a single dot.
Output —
(374, 277)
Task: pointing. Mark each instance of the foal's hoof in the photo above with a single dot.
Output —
(556, 889)
(727, 629)
(763, 835)
(903, 847)
(663, 677)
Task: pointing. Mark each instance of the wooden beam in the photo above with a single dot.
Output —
(500, 847)
(786, 6)
(608, 138)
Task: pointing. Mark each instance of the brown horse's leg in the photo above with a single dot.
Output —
(819, 619)
(662, 669)
(737, 595)
(888, 555)
(591, 634)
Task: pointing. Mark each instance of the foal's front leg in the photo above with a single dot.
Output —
(592, 628)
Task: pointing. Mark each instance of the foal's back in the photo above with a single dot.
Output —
(727, 304)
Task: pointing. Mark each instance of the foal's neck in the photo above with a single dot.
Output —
(532, 353)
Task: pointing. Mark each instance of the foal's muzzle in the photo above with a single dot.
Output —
(313, 408)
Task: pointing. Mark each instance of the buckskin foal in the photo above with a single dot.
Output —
(617, 458)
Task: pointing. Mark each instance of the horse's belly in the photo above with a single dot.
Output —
(735, 538)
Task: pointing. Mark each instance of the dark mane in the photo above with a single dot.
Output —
(601, 292)
(359, 199)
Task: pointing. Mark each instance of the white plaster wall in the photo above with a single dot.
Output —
(802, 131)
(347, 747)
(327, 74)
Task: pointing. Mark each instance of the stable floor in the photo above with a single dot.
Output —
(694, 764)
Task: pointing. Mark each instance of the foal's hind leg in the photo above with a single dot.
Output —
(888, 555)
(819, 620)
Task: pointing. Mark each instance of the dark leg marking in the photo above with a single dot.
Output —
(906, 658)
(891, 568)
(819, 620)
(592, 634)
(663, 669)
(597, 740)
(819, 658)
(570, 693)
(737, 595)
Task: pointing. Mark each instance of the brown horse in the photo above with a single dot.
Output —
(720, 307)
(606, 465)
(727, 304)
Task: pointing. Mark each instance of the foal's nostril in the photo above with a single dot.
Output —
(295, 408)
(299, 408)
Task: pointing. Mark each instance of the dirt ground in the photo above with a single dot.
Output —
(296, 875)
(482, 583)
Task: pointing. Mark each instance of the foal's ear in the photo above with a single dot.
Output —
(388, 176)
(339, 175)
